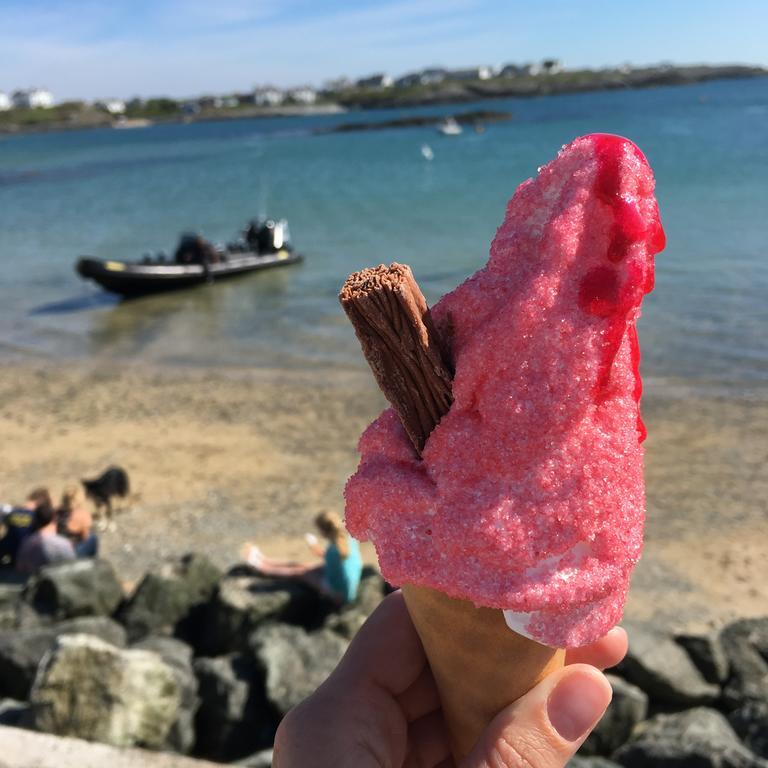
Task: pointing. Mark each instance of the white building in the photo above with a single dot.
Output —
(5, 102)
(268, 96)
(33, 97)
(303, 95)
(472, 73)
(113, 106)
(379, 80)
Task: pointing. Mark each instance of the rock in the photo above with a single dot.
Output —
(178, 656)
(294, 662)
(232, 720)
(707, 653)
(628, 707)
(91, 690)
(663, 669)
(22, 650)
(10, 593)
(746, 646)
(261, 759)
(76, 588)
(242, 603)
(697, 738)
(12, 712)
(171, 600)
(590, 762)
(751, 724)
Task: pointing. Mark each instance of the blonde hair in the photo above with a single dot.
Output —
(330, 525)
(72, 498)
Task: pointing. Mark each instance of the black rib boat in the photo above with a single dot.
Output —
(196, 262)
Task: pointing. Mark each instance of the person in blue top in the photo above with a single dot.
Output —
(338, 577)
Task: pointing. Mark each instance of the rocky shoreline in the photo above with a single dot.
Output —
(205, 663)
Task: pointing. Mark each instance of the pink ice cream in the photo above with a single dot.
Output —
(529, 495)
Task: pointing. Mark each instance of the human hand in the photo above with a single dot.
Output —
(380, 708)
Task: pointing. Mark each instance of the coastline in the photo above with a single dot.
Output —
(529, 86)
(220, 456)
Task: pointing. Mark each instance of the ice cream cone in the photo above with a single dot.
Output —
(480, 665)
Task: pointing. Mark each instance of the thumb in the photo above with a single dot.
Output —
(544, 728)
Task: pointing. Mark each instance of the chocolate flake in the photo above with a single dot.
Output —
(400, 343)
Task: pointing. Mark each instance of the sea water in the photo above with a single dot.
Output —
(358, 199)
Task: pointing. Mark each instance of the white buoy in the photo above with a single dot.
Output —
(426, 152)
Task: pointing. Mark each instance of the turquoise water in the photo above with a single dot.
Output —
(358, 199)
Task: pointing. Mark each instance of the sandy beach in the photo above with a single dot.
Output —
(217, 457)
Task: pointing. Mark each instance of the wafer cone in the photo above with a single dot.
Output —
(479, 664)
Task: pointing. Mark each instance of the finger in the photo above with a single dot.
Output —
(386, 651)
(427, 742)
(606, 652)
(544, 728)
(421, 697)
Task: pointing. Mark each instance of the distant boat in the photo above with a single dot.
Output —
(196, 262)
(426, 152)
(449, 127)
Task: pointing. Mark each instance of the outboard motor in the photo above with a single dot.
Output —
(268, 236)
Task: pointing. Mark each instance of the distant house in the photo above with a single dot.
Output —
(268, 96)
(406, 81)
(33, 98)
(113, 106)
(429, 76)
(432, 75)
(303, 95)
(5, 102)
(551, 66)
(191, 107)
(472, 73)
(515, 70)
(379, 80)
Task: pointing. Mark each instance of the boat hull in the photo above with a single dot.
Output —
(135, 279)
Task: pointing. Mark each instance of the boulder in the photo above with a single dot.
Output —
(171, 599)
(22, 650)
(658, 665)
(707, 653)
(750, 722)
(242, 603)
(76, 588)
(91, 690)
(746, 646)
(294, 662)
(628, 707)
(697, 738)
(12, 712)
(232, 721)
(261, 759)
(10, 594)
(178, 656)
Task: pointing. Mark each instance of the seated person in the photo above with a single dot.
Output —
(337, 578)
(195, 249)
(76, 522)
(44, 546)
(18, 522)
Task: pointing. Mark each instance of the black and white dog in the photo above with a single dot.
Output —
(113, 482)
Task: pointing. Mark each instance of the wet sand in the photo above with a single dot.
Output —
(218, 457)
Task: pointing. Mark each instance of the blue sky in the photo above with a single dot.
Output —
(100, 48)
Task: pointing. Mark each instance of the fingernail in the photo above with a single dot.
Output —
(577, 703)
